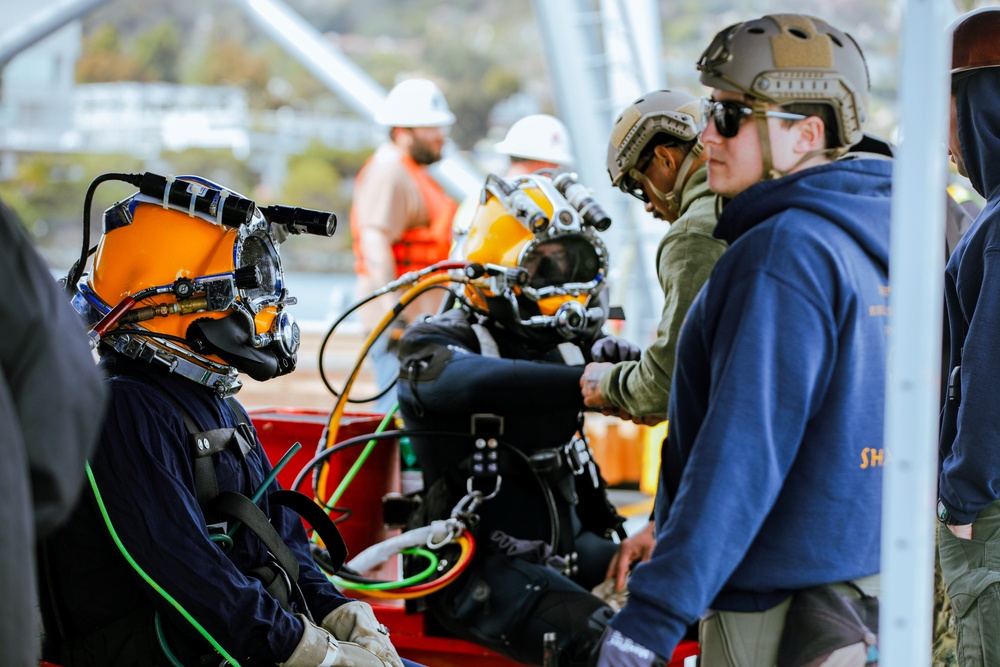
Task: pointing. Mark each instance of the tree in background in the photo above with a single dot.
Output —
(215, 164)
(320, 178)
(48, 191)
(152, 55)
(158, 49)
(227, 62)
(104, 59)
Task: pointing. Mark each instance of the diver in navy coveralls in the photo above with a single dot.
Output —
(179, 461)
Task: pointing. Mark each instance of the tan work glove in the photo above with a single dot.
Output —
(356, 622)
(318, 648)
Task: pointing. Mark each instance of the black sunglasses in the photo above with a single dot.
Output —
(728, 116)
(631, 185)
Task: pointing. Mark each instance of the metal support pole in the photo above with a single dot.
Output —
(571, 32)
(41, 24)
(913, 378)
(577, 89)
(634, 49)
(348, 81)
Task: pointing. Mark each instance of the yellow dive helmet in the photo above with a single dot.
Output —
(187, 276)
(545, 266)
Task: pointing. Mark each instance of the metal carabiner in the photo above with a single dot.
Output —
(455, 528)
(492, 494)
(468, 503)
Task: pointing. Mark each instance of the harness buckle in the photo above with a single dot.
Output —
(572, 566)
(580, 460)
(474, 498)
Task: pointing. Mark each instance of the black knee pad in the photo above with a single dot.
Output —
(578, 620)
(509, 605)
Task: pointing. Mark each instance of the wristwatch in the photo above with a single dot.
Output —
(945, 517)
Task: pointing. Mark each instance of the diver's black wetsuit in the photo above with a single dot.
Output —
(448, 375)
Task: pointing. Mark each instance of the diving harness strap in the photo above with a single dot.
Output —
(239, 508)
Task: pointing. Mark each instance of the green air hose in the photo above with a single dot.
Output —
(156, 587)
(402, 583)
(349, 477)
(332, 502)
(225, 540)
(162, 638)
(263, 487)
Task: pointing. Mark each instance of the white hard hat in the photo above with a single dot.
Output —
(538, 137)
(415, 103)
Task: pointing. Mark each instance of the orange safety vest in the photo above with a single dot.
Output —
(421, 246)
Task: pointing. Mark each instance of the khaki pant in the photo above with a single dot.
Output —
(971, 570)
(750, 639)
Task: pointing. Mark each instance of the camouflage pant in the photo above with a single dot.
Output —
(971, 570)
(943, 649)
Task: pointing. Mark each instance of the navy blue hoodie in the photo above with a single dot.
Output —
(771, 475)
(970, 433)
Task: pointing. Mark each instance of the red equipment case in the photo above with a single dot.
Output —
(280, 428)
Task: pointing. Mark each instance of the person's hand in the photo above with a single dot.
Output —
(642, 420)
(614, 349)
(617, 650)
(624, 415)
(648, 420)
(590, 384)
(964, 531)
(635, 548)
(318, 648)
(355, 622)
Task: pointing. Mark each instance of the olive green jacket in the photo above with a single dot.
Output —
(684, 260)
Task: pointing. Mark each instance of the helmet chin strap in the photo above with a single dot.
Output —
(683, 174)
(759, 107)
(672, 201)
(770, 172)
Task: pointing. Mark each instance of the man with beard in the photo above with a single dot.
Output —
(400, 216)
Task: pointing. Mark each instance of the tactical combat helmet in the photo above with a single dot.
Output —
(792, 58)
(669, 112)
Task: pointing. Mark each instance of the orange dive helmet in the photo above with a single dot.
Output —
(187, 276)
(545, 266)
